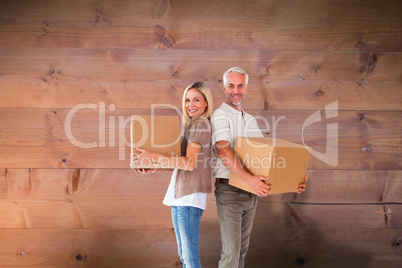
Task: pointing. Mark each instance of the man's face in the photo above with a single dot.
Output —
(235, 89)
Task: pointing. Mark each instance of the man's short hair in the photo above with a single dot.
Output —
(235, 70)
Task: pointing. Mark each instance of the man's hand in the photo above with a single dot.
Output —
(302, 186)
(259, 185)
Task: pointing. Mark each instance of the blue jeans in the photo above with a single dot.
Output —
(186, 223)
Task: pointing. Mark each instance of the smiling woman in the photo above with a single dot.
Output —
(191, 178)
(195, 103)
(66, 195)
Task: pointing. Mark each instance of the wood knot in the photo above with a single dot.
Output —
(264, 78)
(360, 82)
(63, 160)
(361, 116)
(98, 14)
(79, 258)
(369, 64)
(98, 10)
(167, 42)
(398, 243)
(315, 68)
(266, 104)
(301, 261)
(46, 28)
(388, 212)
(51, 74)
(319, 92)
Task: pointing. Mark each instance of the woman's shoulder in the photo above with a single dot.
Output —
(199, 127)
(200, 123)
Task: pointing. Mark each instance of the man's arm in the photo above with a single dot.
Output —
(232, 162)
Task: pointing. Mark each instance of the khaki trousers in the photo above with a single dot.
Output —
(236, 210)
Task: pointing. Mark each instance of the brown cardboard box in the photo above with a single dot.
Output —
(284, 163)
(156, 133)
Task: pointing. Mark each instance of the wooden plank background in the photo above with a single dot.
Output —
(72, 72)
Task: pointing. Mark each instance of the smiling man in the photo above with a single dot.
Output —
(236, 208)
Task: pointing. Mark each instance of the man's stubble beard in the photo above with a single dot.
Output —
(235, 104)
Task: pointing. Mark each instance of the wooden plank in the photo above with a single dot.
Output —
(287, 80)
(142, 213)
(89, 248)
(316, 216)
(285, 25)
(353, 132)
(325, 248)
(39, 135)
(351, 186)
(121, 214)
(323, 187)
(153, 247)
(132, 11)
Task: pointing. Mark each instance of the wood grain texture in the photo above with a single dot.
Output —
(325, 248)
(134, 214)
(43, 138)
(284, 80)
(119, 198)
(137, 248)
(323, 187)
(89, 248)
(321, 72)
(252, 25)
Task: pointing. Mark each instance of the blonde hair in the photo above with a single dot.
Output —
(206, 92)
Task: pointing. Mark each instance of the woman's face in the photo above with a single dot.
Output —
(195, 103)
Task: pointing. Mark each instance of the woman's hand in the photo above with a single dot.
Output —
(145, 158)
(143, 170)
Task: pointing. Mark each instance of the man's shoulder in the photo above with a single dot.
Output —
(247, 115)
(221, 111)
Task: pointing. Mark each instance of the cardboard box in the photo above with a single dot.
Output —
(284, 163)
(156, 133)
